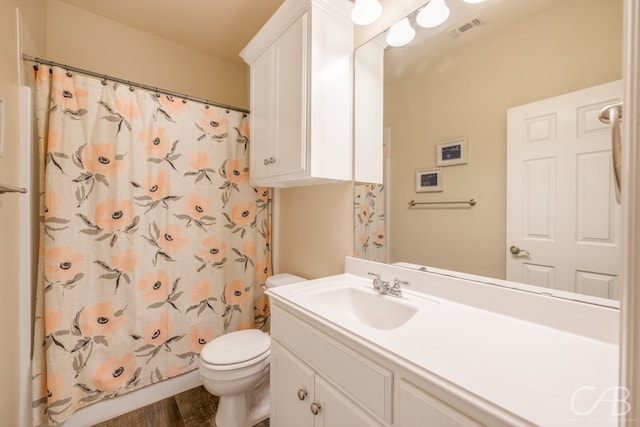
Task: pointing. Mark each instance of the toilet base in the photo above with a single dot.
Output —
(245, 409)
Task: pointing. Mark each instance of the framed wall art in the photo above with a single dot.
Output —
(428, 180)
(452, 152)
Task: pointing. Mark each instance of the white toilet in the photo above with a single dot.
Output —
(235, 367)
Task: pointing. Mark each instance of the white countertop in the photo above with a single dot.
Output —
(547, 376)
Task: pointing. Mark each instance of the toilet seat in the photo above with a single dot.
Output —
(236, 350)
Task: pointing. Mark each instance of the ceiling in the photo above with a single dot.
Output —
(222, 28)
(219, 28)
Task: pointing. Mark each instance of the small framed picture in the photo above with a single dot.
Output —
(428, 180)
(452, 152)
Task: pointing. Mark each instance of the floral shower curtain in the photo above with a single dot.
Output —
(370, 222)
(152, 240)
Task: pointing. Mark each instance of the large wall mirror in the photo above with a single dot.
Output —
(453, 88)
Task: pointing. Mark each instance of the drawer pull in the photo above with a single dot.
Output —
(302, 394)
(315, 408)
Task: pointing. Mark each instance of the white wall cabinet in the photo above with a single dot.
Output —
(301, 64)
(348, 389)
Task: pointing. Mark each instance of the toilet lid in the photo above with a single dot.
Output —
(236, 347)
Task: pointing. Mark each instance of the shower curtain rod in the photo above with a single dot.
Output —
(133, 84)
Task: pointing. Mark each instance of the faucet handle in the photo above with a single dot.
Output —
(398, 282)
(376, 280)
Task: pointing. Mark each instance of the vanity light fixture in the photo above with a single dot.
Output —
(366, 12)
(433, 14)
(401, 33)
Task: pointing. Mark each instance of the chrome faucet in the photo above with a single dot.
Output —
(396, 289)
(385, 288)
(379, 285)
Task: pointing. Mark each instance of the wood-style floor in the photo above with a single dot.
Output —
(192, 408)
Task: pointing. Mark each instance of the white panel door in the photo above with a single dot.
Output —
(561, 210)
(290, 65)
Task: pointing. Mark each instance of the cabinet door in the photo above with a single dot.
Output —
(417, 408)
(291, 389)
(262, 107)
(337, 410)
(290, 121)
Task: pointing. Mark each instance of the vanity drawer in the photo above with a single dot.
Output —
(367, 383)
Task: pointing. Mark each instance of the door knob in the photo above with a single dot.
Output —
(302, 394)
(517, 251)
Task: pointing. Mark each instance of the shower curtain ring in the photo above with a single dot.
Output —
(69, 73)
(157, 93)
(206, 105)
(104, 81)
(130, 87)
(184, 100)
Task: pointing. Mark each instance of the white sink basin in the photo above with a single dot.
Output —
(372, 309)
(353, 304)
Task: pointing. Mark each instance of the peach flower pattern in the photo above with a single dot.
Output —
(243, 216)
(201, 295)
(51, 220)
(158, 146)
(199, 337)
(152, 239)
(200, 167)
(234, 296)
(198, 212)
(155, 286)
(123, 263)
(53, 154)
(171, 106)
(370, 223)
(156, 191)
(213, 123)
(234, 173)
(99, 162)
(112, 216)
(65, 95)
(63, 265)
(212, 252)
(101, 320)
(115, 373)
(168, 241)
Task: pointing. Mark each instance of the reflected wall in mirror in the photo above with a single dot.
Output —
(442, 87)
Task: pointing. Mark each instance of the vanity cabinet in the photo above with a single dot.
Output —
(303, 398)
(301, 94)
(317, 380)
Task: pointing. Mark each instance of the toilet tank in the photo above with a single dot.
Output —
(282, 279)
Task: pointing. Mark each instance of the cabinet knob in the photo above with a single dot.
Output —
(269, 161)
(272, 160)
(302, 394)
(315, 408)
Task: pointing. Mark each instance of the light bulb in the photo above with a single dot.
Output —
(365, 12)
(401, 33)
(433, 14)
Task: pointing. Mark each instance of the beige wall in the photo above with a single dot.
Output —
(466, 94)
(85, 40)
(314, 231)
(33, 14)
